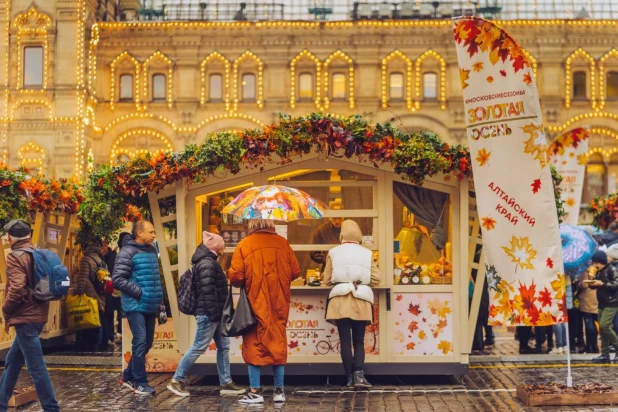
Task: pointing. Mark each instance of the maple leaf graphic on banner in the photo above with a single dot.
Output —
(521, 252)
(410, 346)
(413, 326)
(477, 67)
(445, 347)
(464, 75)
(536, 144)
(488, 223)
(570, 202)
(415, 309)
(545, 297)
(549, 263)
(482, 156)
(582, 159)
(536, 186)
(559, 286)
(527, 295)
(527, 79)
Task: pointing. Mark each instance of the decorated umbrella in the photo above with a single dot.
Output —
(276, 203)
(577, 247)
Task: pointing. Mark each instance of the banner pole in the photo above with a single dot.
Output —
(569, 377)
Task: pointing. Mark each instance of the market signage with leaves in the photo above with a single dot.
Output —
(568, 155)
(516, 204)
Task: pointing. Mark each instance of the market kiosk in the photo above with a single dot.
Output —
(424, 240)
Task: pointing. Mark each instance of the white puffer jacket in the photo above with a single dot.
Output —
(351, 263)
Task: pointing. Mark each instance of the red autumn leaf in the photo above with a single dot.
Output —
(527, 294)
(503, 73)
(545, 297)
(415, 309)
(413, 326)
(536, 185)
(533, 313)
(410, 346)
(424, 320)
(519, 63)
(549, 263)
(442, 324)
(293, 344)
(398, 297)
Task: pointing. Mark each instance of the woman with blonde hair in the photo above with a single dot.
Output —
(351, 271)
(265, 265)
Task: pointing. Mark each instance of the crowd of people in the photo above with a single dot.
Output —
(263, 264)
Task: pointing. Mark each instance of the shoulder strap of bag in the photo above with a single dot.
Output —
(29, 280)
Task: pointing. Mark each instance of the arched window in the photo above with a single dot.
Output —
(248, 87)
(396, 86)
(430, 85)
(33, 67)
(579, 85)
(215, 87)
(126, 87)
(612, 85)
(159, 87)
(339, 86)
(305, 86)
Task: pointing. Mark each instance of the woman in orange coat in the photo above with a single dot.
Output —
(265, 264)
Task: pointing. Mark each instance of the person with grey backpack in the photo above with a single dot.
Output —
(202, 293)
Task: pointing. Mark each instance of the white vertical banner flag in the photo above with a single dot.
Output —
(512, 177)
(568, 155)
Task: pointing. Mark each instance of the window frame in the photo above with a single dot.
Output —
(165, 80)
(423, 88)
(607, 96)
(300, 89)
(390, 87)
(221, 88)
(574, 96)
(345, 87)
(25, 85)
(242, 88)
(124, 99)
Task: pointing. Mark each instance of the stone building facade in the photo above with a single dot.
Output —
(78, 91)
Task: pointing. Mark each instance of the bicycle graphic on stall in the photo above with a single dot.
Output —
(154, 365)
(323, 347)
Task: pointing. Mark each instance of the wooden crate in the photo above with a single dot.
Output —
(23, 398)
(566, 399)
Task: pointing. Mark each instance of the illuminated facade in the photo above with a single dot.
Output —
(78, 90)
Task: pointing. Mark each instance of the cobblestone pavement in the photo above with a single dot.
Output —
(488, 387)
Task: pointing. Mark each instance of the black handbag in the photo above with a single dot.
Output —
(236, 322)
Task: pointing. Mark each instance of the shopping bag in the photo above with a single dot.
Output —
(237, 322)
(83, 312)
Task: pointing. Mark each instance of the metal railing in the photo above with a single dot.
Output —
(342, 10)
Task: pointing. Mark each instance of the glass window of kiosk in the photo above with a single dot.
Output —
(422, 229)
(349, 195)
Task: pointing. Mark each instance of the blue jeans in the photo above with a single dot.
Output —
(206, 331)
(142, 327)
(561, 337)
(27, 348)
(256, 371)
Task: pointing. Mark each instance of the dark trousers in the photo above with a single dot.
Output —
(142, 327)
(107, 330)
(524, 333)
(576, 330)
(87, 339)
(542, 333)
(591, 331)
(352, 333)
(118, 310)
(27, 349)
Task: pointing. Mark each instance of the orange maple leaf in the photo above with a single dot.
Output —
(527, 79)
(482, 156)
(413, 326)
(442, 323)
(477, 67)
(570, 202)
(410, 346)
(489, 223)
(422, 335)
(527, 294)
(463, 76)
(415, 309)
(545, 297)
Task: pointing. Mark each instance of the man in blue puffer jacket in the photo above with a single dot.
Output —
(136, 275)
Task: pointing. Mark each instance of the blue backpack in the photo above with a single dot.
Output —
(51, 277)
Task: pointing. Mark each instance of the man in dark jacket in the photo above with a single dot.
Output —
(211, 286)
(28, 316)
(136, 275)
(606, 285)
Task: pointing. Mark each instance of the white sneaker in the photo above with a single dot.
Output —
(555, 351)
(562, 350)
(251, 398)
(278, 395)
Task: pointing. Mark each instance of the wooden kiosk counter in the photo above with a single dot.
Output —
(424, 241)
